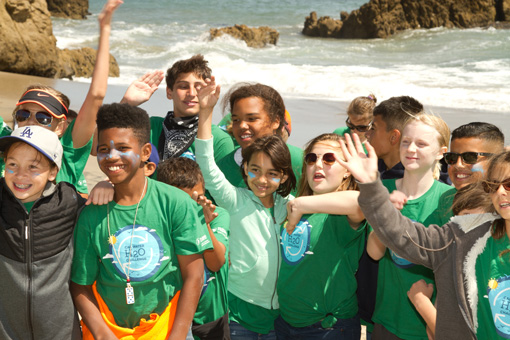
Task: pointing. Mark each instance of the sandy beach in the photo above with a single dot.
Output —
(310, 117)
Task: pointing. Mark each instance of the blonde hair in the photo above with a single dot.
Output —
(304, 189)
(442, 129)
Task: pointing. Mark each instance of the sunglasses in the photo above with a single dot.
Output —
(43, 118)
(467, 157)
(360, 128)
(327, 158)
(491, 187)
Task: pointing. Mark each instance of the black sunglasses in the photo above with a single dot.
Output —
(43, 118)
(491, 187)
(360, 128)
(467, 157)
(327, 158)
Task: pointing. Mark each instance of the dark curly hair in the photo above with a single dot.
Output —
(180, 172)
(276, 149)
(124, 116)
(196, 65)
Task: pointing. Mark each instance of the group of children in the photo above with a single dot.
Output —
(215, 245)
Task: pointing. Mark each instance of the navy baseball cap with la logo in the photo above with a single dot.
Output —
(43, 140)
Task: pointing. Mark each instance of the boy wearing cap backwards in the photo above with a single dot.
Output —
(138, 255)
(37, 219)
(46, 107)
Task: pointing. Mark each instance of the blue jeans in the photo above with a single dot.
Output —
(238, 332)
(344, 329)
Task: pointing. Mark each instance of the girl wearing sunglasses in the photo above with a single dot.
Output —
(46, 107)
(256, 213)
(469, 255)
(359, 117)
(317, 284)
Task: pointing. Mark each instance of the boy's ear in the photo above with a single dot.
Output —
(53, 173)
(146, 152)
(169, 93)
(395, 137)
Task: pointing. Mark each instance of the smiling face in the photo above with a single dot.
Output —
(184, 94)
(250, 121)
(321, 177)
(120, 155)
(262, 177)
(27, 172)
(419, 147)
(462, 174)
(501, 198)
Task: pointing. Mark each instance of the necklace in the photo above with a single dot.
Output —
(130, 293)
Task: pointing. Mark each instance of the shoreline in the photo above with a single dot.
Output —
(310, 117)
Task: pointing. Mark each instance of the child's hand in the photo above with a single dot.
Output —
(361, 166)
(207, 206)
(399, 199)
(293, 215)
(208, 95)
(101, 194)
(105, 17)
(143, 88)
(420, 290)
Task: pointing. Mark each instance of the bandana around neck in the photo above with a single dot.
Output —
(179, 134)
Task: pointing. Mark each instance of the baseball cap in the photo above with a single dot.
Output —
(46, 100)
(41, 139)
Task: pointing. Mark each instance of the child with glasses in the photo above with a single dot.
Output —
(470, 148)
(46, 107)
(469, 255)
(317, 284)
(360, 115)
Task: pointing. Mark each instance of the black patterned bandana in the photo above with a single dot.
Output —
(179, 134)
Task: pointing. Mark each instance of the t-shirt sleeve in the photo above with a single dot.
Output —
(221, 226)
(223, 143)
(189, 234)
(85, 267)
(74, 159)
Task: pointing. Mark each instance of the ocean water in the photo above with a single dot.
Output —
(462, 69)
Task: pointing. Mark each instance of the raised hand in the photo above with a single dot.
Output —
(363, 167)
(105, 17)
(208, 95)
(141, 90)
(207, 206)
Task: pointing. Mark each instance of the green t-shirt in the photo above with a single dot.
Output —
(230, 165)
(167, 225)
(223, 143)
(29, 205)
(393, 309)
(493, 281)
(320, 260)
(213, 299)
(258, 319)
(73, 160)
(341, 131)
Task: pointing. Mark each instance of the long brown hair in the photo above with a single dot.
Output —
(304, 189)
(495, 163)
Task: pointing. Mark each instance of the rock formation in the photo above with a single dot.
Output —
(382, 18)
(76, 9)
(27, 44)
(254, 37)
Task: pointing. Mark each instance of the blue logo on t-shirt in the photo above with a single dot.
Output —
(295, 246)
(499, 299)
(400, 261)
(137, 254)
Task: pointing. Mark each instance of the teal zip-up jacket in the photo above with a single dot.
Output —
(254, 233)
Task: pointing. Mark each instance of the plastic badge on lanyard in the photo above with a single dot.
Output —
(130, 295)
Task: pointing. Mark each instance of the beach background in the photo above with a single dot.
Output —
(459, 75)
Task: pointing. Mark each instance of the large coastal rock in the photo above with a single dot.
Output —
(28, 46)
(254, 37)
(382, 18)
(76, 9)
